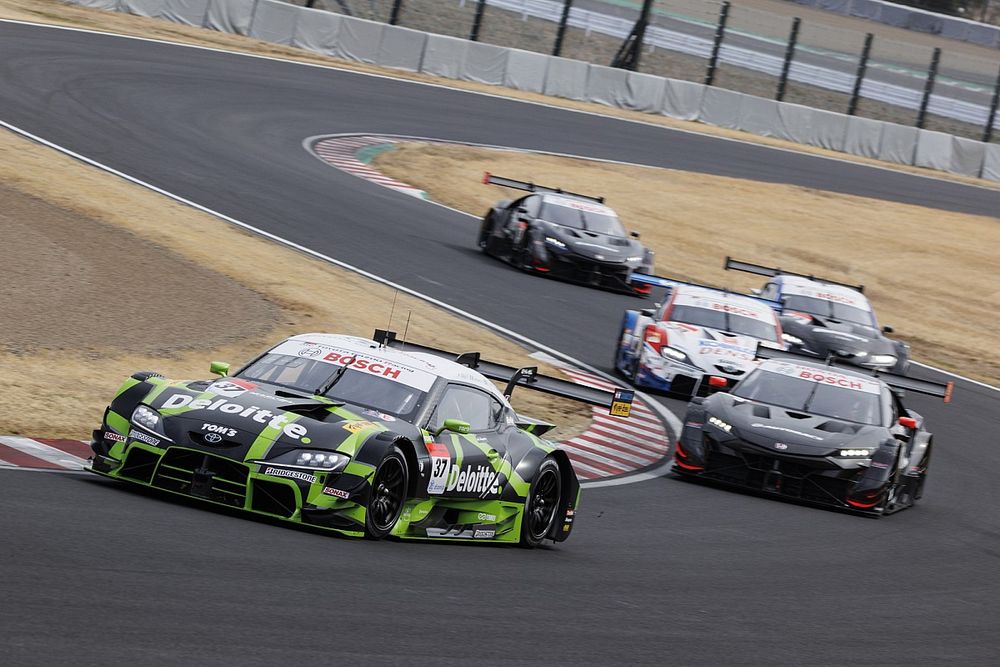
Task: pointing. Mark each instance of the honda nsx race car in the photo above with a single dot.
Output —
(697, 332)
(821, 317)
(822, 434)
(563, 235)
(362, 437)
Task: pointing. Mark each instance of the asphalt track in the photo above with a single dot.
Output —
(661, 571)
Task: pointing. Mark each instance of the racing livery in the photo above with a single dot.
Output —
(564, 235)
(697, 331)
(353, 435)
(821, 434)
(823, 318)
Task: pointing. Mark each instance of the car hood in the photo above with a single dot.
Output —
(713, 351)
(238, 419)
(600, 247)
(826, 335)
(779, 429)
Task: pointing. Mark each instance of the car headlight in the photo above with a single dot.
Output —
(321, 460)
(146, 417)
(673, 353)
(553, 241)
(855, 453)
(882, 359)
(636, 258)
(718, 423)
(791, 340)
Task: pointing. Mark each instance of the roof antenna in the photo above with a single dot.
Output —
(406, 328)
(391, 311)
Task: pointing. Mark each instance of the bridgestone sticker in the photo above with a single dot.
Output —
(292, 474)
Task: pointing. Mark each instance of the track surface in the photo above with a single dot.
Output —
(660, 571)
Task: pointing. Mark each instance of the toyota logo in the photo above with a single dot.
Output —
(213, 438)
(310, 352)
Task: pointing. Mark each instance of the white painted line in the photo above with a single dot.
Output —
(956, 376)
(44, 452)
(619, 452)
(636, 121)
(667, 416)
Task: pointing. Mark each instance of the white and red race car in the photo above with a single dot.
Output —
(697, 331)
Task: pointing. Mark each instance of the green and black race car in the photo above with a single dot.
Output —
(363, 437)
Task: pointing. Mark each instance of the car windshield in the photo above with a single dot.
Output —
(811, 397)
(723, 321)
(831, 309)
(591, 221)
(352, 386)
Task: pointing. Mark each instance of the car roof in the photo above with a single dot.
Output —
(418, 361)
(704, 297)
(817, 289)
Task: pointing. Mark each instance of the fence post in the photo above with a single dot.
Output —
(859, 78)
(397, 5)
(561, 33)
(477, 22)
(928, 87)
(793, 38)
(720, 32)
(988, 131)
(629, 52)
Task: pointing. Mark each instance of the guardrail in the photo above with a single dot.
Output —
(405, 49)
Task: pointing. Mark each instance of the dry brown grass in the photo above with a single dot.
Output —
(71, 333)
(934, 275)
(55, 12)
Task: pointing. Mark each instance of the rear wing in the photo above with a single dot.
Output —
(942, 390)
(618, 402)
(670, 283)
(490, 179)
(747, 267)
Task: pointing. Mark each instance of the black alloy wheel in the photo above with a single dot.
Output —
(542, 507)
(388, 494)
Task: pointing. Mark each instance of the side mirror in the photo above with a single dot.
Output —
(887, 329)
(219, 368)
(908, 422)
(455, 426)
(647, 312)
(634, 235)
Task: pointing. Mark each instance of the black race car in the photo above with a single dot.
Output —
(823, 318)
(563, 235)
(812, 432)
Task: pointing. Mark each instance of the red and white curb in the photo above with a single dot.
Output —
(612, 445)
(43, 453)
(342, 153)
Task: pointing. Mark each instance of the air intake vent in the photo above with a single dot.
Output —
(838, 427)
(762, 411)
(797, 415)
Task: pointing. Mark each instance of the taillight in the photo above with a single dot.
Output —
(654, 337)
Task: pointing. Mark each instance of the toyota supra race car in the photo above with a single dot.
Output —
(803, 430)
(822, 317)
(563, 235)
(697, 332)
(359, 436)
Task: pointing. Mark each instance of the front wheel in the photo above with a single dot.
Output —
(542, 506)
(485, 231)
(385, 502)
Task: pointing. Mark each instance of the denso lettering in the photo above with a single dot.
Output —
(277, 422)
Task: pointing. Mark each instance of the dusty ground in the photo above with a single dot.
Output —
(89, 296)
(934, 276)
(56, 12)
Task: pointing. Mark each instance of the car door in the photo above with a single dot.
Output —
(468, 465)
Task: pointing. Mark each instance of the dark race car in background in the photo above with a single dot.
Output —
(697, 332)
(823, 318)
(564, 235)
(356, 436)
(811, 432)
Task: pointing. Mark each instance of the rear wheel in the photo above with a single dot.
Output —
(542, 506)
(485, 230)
(385, 503)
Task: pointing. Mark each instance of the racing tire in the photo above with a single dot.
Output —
(485, 229)
(895, 491)
(542, 506)
(627, 373)
(388, 495)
